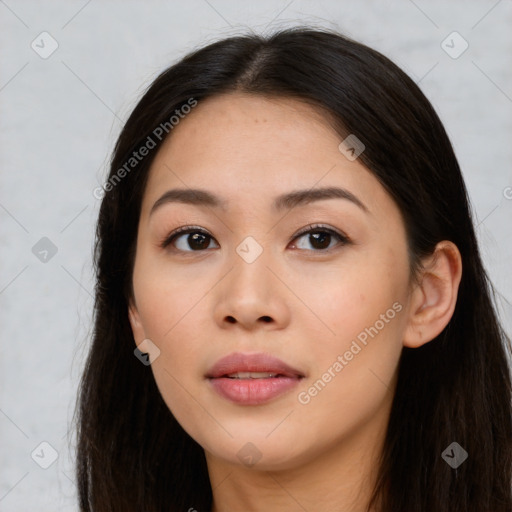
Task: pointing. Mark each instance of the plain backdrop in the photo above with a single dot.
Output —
(60, 116)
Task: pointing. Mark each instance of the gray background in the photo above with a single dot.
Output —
(59, 120)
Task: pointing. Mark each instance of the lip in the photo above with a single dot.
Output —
(252, 391)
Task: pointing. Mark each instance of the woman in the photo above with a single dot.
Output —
(291, 310)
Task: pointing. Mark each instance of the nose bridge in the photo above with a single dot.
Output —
(250, 292)
(253, 248)
(251, 260)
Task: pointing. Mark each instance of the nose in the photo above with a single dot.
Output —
(251, 296)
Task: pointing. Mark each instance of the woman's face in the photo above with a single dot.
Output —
(247, 281)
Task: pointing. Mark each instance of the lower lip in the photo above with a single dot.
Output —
(253, 391)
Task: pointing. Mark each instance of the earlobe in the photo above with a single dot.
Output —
(433, 300)
(135, 322)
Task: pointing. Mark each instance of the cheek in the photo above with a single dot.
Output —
(362, 353)
(354, 299)
(363, 309)
(170, 323)
(167, 302)
(167, 294)
(353, 370)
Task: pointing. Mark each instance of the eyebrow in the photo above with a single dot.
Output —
(286, 201)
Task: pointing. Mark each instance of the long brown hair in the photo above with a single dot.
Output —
(132, 455)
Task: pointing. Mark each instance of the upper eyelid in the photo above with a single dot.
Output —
(187, 229)
(319, 227)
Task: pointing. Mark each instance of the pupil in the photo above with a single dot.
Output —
(198, 238)
(322, 237)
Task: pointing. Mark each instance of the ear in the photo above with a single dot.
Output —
(433, 299)
(135, 322)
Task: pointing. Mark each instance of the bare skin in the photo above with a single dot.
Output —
(298, 301)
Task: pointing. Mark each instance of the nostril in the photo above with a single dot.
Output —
(232, 320)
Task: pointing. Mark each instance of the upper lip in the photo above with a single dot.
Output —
(261, 362)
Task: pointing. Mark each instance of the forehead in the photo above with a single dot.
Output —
(247, 148)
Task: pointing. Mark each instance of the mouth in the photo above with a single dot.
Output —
(252, 379)
(253, 375)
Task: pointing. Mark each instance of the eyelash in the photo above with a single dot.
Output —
(313, 228)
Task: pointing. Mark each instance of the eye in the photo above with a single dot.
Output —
(197, 239)
(320, 238)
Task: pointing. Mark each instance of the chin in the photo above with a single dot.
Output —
(257, 453)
